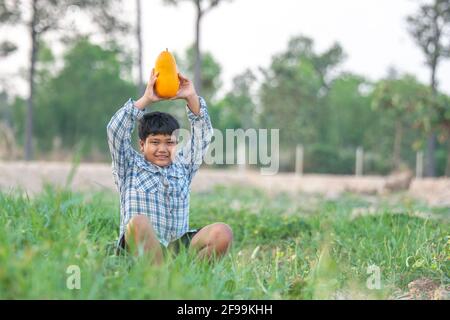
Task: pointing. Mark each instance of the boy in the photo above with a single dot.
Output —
(154, 185)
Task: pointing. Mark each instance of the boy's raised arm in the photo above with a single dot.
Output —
(121, 126)
(119, 131)
(191, 155)
(200, 136)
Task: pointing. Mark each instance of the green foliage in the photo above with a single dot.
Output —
(211, 70)
(321, 158)
(78, 101)
(347, 101)
(238, 108)
(293, 90)
(311, 104)
(406, 106)
(405, 99)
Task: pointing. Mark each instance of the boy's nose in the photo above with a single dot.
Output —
(162, 148)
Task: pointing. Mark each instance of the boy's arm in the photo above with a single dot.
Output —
(119, 131)
(200, 136)
(121, 126)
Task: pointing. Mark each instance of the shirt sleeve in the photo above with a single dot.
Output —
(192, 154)
(119, 131)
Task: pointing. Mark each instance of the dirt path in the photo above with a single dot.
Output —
(90, 177)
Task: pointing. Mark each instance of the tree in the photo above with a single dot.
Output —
(352, 123)
(211, 70)
(294, 88)
(202, 8)
(404, 100)
(443, 109)
(7, 138)
(141, 84)
(430, 28)
(76, 104)
(238, 108)
(44, 16)
(439, 119)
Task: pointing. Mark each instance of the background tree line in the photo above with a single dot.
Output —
(302, 91)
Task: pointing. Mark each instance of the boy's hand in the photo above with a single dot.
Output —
(188, 93)
(186, 90)
(150, 95)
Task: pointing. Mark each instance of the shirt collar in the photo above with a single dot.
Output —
(172, 170)
(146, 165)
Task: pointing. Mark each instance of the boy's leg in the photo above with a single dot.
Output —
(140, 234)
(213, 240)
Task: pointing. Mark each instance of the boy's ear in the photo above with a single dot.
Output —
(141, 145)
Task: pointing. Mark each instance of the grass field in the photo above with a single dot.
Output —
(285, 247)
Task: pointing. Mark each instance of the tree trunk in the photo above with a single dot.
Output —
(430, 170)
(397, 145)
(198, 57)
(141, 84)
(29, 117)
(430, 162)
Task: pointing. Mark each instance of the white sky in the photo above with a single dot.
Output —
(247, 33)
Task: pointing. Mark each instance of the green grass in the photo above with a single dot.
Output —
(286, 247)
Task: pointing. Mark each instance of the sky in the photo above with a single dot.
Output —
(244, 34)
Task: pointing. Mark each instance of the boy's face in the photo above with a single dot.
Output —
(159, 149)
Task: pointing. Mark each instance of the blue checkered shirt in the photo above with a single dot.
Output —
(161, 193)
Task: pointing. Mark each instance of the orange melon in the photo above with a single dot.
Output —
(167, 84)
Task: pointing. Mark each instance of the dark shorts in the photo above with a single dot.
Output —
(177, 245)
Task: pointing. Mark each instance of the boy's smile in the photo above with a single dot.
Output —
(159, 149)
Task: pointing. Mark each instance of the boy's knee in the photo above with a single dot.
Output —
(140, 235)
(138, 224)
(222, 235)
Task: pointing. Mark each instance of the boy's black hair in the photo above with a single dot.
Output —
(154, 123)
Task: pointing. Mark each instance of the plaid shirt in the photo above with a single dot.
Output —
(161, 193)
